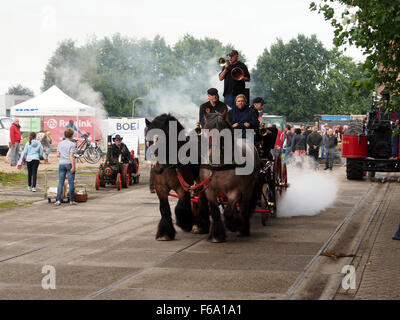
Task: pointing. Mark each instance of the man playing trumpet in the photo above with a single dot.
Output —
(235, 74)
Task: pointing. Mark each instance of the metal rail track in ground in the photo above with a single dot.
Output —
(307, 270)
(363, 234)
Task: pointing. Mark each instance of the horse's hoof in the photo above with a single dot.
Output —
(215, 240)
(196, 229)
(164, 238)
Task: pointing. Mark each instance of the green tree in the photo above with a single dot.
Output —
(301, 78)
(123, 69)
(373, 26)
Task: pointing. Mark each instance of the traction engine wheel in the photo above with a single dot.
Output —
(97, 182)
(119, 182)
(354, 170)
(102, 182)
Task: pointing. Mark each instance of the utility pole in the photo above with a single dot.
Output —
(133, 105)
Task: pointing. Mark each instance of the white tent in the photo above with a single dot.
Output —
(52, 102)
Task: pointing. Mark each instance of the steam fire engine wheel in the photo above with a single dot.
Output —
(354, 170)
(119, 182)
(97, 182)
(265, 201)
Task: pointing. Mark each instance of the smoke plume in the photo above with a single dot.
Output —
(311, 191)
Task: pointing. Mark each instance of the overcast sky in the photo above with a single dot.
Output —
(31, 29)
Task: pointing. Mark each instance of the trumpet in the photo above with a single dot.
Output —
(263, 130)
(222, 61)
(236, 73)
(198, 128)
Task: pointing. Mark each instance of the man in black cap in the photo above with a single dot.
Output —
(257, 107)
(233, 87)
(118, 148)
(212, 105)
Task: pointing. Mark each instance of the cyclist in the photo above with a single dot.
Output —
(72, 126)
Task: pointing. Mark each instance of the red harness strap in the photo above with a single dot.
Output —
(195, 189)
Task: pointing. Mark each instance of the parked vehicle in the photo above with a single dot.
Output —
(279, 121)
(5, 124)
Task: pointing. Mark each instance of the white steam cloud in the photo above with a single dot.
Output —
(71, 81)
(310, 192)
(180, 95)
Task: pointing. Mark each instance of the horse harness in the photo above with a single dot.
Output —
(202, 186)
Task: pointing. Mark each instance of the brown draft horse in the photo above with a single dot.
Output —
(238, 189)
(165, 178)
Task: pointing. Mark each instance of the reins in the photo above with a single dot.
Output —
(195, 189)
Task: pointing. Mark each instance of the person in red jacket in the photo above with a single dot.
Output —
(280, 138)
(15, 139)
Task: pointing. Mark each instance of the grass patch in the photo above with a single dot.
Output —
(87, 173)
(12, 178)
(8, 204)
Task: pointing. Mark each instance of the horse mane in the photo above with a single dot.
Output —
(162, 122)
(216, 121)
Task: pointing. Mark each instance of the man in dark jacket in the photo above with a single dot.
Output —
(233, 87)
(258, 105)
(330, 147)
(213, 105)
(242, 117)
(299, 142)
(119, 148)
(314, 141)
(288, 143)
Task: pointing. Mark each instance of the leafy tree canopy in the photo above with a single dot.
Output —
(373, 26)
(301, 78)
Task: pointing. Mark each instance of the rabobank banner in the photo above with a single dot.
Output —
(57, 125)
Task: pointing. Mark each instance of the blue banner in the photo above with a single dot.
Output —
(330, 117)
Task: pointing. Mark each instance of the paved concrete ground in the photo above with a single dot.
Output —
(377, 261)
(105, 249)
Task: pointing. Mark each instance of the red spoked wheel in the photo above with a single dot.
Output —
(97, 182)
(284, 175)
(126, 177)
(119, 182)
(265, 200)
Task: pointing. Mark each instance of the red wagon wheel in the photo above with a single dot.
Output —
(126, 176)
(119, 182)
(284, 174)
(97, 182)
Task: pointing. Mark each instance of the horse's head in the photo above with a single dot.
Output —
(219, 135)
(159, 129)
(217, 121)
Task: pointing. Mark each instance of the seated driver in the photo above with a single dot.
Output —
(120, 148)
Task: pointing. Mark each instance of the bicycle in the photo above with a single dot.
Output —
(90, 152)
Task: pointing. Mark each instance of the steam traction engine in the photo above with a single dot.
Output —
(114, 171)
(368, 146)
